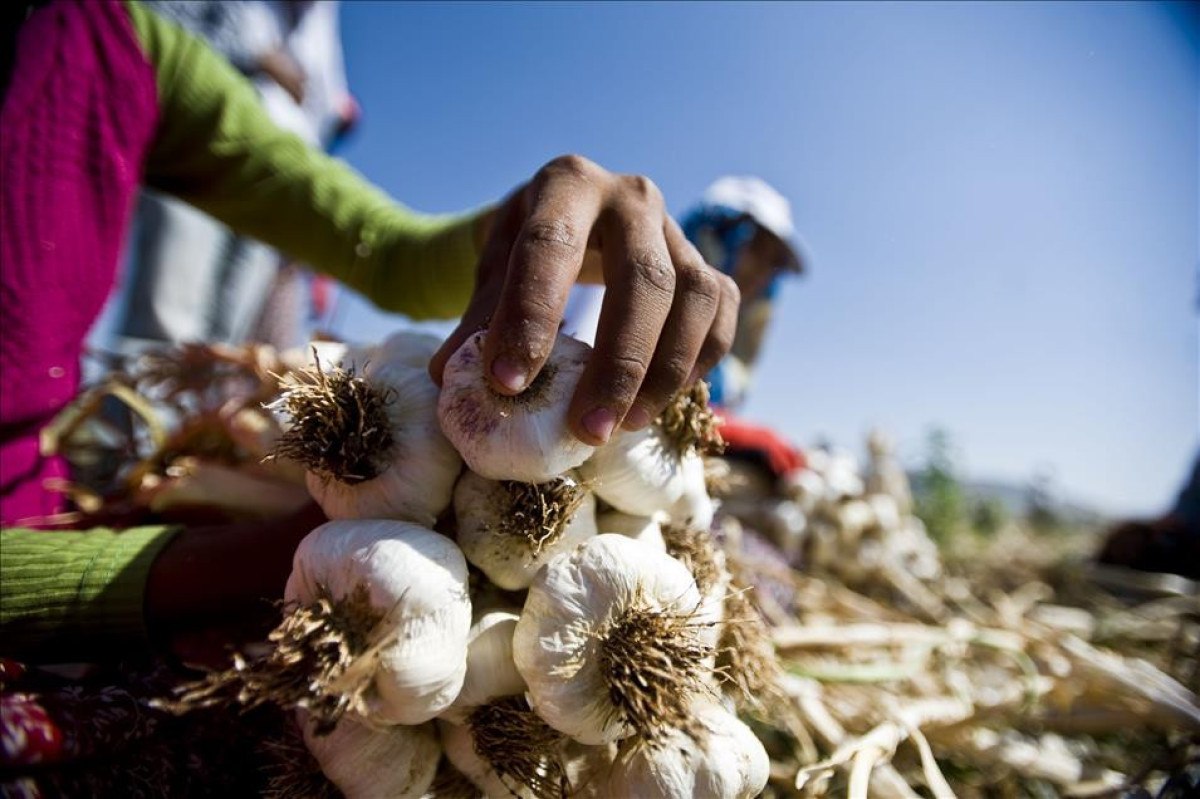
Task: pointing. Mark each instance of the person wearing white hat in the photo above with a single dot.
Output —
(744, 228)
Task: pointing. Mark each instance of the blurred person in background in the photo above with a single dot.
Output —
(190, 278)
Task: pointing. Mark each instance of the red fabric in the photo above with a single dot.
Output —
(76, 124)
(781, 457)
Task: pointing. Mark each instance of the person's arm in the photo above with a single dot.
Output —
(216, 149)
(72, 594)
(105, 594)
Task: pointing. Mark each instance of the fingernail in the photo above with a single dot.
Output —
(600, 422)
(637, 418)
(510, 375)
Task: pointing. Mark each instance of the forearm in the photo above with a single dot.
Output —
(217, 149)
(75, 594)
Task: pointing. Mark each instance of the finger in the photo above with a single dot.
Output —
(489, 281)
(697, 299)
(640, 280)
(562, 204)
(721, 334)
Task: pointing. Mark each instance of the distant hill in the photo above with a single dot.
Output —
(1016, 498)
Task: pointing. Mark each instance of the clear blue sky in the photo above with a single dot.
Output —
(1001, 198)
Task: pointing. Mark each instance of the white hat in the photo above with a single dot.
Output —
(756, 198)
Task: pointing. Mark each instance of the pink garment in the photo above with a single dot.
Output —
(77, 122)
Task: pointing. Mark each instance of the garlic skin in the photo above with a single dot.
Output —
(723, 761)
(418, 481)
(694, 507)
(364, 763)
(573, 602)
(491, 672)
(523, 438)
(644, 529)
(640, 472)
(482, 507)
(417, 581)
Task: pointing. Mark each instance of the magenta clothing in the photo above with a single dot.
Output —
(77, 120)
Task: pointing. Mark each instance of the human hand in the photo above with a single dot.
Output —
(283, 69)
(667, 316)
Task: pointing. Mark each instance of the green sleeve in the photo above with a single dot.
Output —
(75, 594)
(217, 149)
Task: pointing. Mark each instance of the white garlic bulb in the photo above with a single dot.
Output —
(371, 445)
(365, 763)
(523, 438)
(509, 529)
(719, 759)
(491, 672)
(646, 529)
(609, 643)
(639, 472)
(408, 586)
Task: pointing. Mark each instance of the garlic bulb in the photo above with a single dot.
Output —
(371, 444)
(408, 347)
(523, 438)
(646, 529)
(506, 750)
(403, 590)
(491, 672)
(649, 470)
(721, 760)
(364, 763)
(509, 529)
(609, 643)
(637, 472)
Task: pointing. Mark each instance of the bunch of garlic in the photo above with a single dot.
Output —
(595, 674)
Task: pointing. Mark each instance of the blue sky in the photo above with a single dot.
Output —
(1001, 199)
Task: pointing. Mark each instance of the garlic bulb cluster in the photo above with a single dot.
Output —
(525, 437)
(407, 592)
(660, 468)
(371, 445)
(862, 530)
(509, 529)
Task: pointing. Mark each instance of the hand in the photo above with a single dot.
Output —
(282, 68)
(667, 316)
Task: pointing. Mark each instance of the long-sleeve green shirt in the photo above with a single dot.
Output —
(216, 148)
